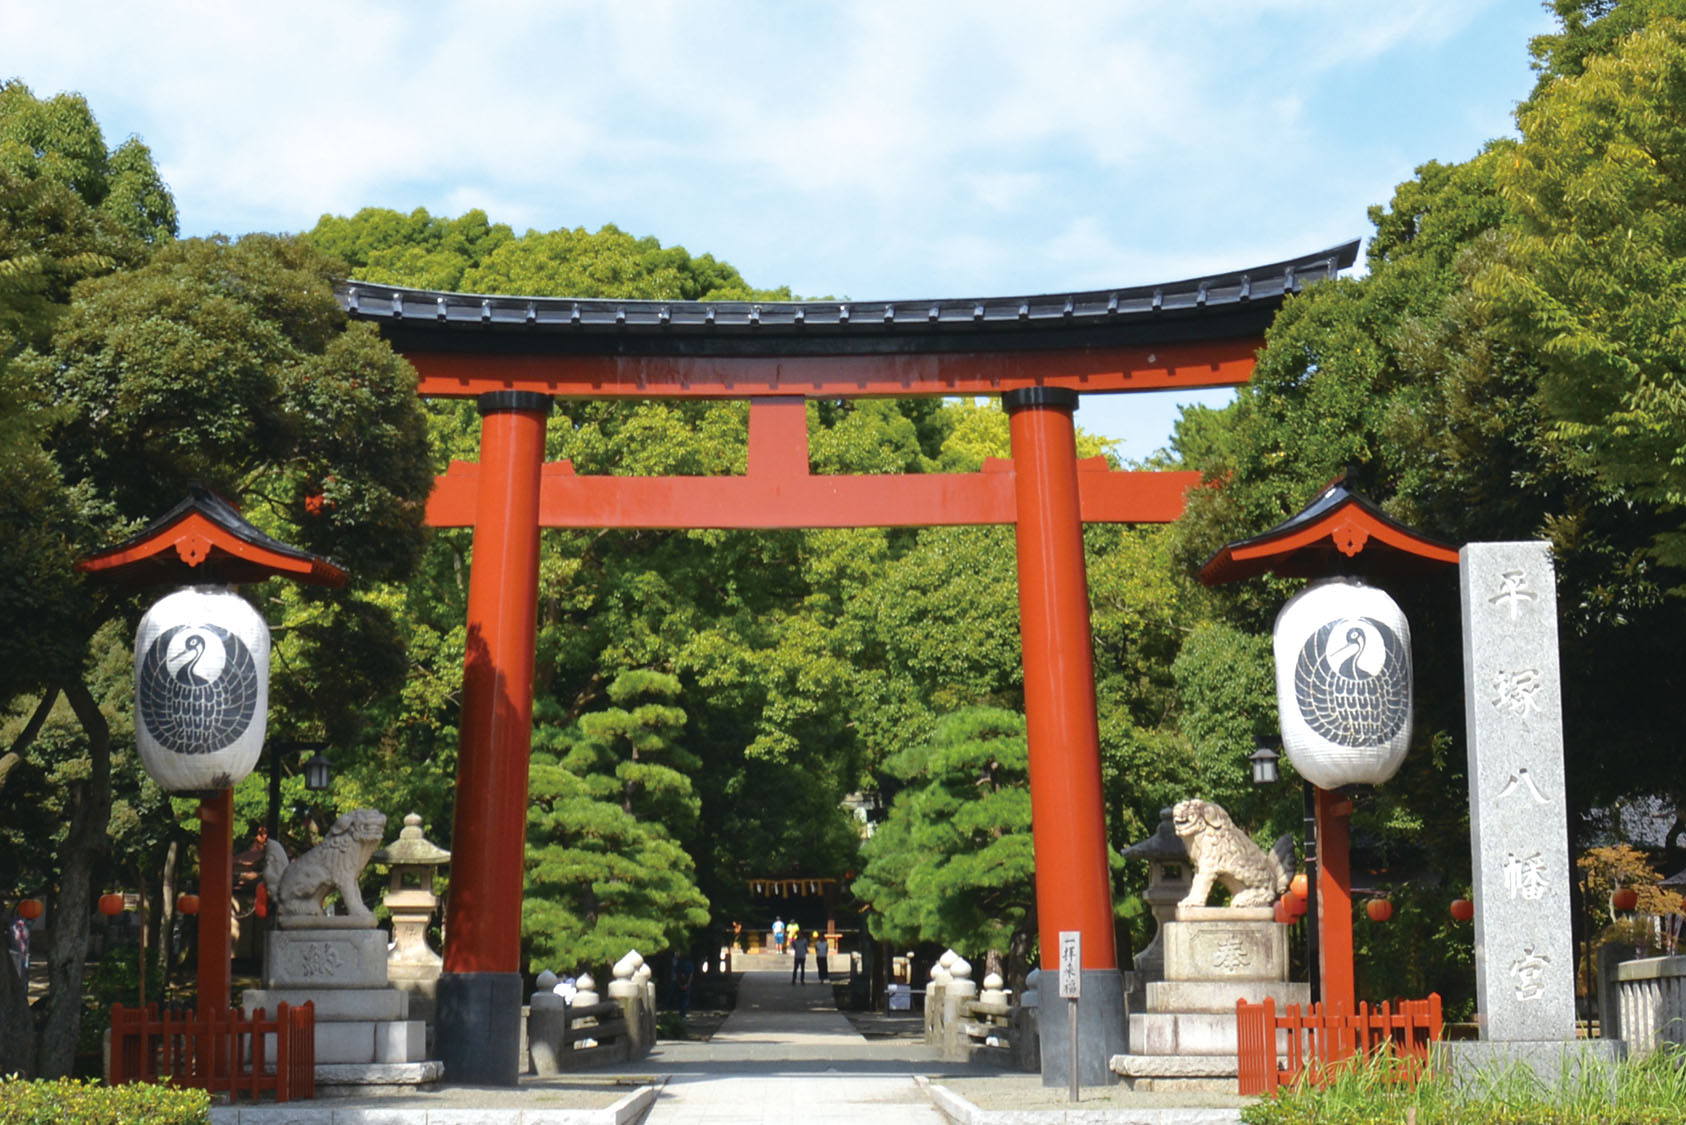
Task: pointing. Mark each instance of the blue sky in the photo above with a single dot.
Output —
(868, 150)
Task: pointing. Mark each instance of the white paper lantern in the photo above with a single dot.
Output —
(1343, 683)
(201, 688)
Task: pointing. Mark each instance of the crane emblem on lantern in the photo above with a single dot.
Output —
(197, 688)
(1352, 682)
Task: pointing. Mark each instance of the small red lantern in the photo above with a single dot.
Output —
(1462, 910)
(1300, 887)
(111, 904)
(1283, 916)
(1624, 899)
(29, 909)
(1297, 905)
(188, 904)
(1379, 909)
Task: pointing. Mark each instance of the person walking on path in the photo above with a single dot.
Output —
(778, 934)
(800, 948)
(822, 956)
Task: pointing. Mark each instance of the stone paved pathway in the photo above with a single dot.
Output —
(787, 1056)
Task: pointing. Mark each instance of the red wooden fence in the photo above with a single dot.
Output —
(224, 1053)
(1319, 1040)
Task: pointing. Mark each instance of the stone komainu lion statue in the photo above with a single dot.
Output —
(298, 888)
(1222, 853)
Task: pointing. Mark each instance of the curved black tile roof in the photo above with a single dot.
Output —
(1415, 554)
(1238, 304)
(165, 567)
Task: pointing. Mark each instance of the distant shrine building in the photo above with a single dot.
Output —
(516, 355)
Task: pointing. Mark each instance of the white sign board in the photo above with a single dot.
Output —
(1071, 963)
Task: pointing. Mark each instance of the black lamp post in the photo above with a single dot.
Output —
(1263, 760)
(318, 772)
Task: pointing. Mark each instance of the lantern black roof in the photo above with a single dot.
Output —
(1340, 532)
(1229, 305)
(205, 539)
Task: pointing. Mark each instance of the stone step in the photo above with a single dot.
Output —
(1176, 1066)
(358, 1080)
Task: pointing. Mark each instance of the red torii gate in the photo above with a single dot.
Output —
(513, 354)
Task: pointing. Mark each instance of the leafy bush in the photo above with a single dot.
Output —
(69, 1101)
(1651, 1091)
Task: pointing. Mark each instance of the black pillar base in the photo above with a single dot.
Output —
(1102, 1024)
(478, 1028)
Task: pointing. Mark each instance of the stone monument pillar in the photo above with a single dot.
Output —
(1513, 708)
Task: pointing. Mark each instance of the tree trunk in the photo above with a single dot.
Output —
(90, 814)
(13, 757)
(1018, 958)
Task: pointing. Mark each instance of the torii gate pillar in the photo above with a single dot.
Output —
(1068, 817)
(479, 1021)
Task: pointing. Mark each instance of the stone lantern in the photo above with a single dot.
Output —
(412, 965)
(1169, 877)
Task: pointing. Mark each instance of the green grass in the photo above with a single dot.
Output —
(1649, 1092)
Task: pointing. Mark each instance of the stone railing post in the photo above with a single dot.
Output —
(958, 995)
(934, 989)
(630, 993)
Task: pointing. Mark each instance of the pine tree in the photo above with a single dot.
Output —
(609, 803)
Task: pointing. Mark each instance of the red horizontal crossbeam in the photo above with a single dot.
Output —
(779, 491)
(934, 499)
(1209, 363)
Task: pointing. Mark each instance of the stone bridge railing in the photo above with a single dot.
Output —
(969, 1025)
(575, 1029)
(1651, 998)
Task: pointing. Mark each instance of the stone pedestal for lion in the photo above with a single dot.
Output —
(366, 1041)
(1185, 1039)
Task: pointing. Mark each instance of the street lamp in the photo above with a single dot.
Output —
(317, 772)
(1263, 760)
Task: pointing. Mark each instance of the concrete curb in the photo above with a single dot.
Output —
(962, 1112)
(624, 1111)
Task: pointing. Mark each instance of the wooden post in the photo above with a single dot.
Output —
(1334, 899)
(216, 898)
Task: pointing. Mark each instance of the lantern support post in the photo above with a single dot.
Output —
(1313, 949)
(216, 898)
(1334, 886)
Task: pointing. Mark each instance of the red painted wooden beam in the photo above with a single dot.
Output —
(1209, 363)
(780, 492)
(772, 501)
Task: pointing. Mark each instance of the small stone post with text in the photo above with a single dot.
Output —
(1513, 707)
